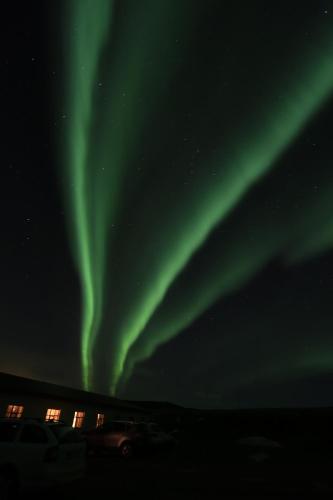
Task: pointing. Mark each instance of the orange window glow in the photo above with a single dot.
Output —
(78, 419)
(52, 415)
(100, 419)
(14, 411)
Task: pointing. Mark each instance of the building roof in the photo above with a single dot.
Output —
(13, 383)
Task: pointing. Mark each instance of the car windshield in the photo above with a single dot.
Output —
(8, 431)
(65, 434)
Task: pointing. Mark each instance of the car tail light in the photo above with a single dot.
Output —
(51, 454)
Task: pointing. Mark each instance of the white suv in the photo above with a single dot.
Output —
(35, 454)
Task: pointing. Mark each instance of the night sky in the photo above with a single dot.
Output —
(167, 199)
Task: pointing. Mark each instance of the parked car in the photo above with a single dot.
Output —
(281, 466)
(258, 449)
(36, 454)
(153, 436)
(125, 437)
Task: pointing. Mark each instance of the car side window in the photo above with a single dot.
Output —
(119, 427)
(33, 434)
(8, 431)
(104, 429)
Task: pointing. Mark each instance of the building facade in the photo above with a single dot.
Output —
(21, 397)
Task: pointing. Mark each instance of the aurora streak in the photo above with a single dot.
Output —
(111, 100)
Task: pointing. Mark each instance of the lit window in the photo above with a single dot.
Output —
(100, 419)
(14, 411)
(52, 415)
(78, 419)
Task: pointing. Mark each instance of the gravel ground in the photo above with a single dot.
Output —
(162, 476)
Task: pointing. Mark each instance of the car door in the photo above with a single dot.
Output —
(116, 434)
(32, 446)
(97, 437)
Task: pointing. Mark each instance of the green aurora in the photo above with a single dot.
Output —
(98, 143)
(84, 46)
(111, 99)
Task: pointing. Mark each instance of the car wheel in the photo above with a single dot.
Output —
(126, 449)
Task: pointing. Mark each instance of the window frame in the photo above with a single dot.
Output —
(78, 419)
(53, 417)
(100, 420)
(14, 411)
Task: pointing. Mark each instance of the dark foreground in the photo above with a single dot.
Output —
(164, 475)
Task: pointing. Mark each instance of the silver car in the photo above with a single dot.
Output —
(33, 455)
(125, 437)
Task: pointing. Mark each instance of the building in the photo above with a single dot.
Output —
(22, 397)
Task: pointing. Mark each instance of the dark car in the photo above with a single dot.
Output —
(125, 437)
(276, 465)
